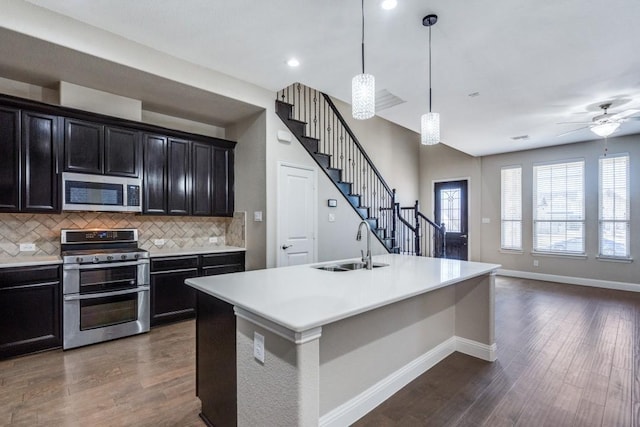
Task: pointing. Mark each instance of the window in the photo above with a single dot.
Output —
(558, 207)
(511, 202)
(613, 209)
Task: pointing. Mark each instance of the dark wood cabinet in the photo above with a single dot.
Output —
(121, 152)
(9, 160)
(95, 148)
(178, 182)
(30, 300)
(154, 184)
(171, 299)
(223, 181)
(39, 153)
(202, 179)
(83, 146)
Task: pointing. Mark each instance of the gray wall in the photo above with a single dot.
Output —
(564, 266)
(250, 184)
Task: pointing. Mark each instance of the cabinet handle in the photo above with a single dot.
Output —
(285, 247)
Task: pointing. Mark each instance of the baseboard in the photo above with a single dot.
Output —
(581, 281)
(476, 349)
(354, 409)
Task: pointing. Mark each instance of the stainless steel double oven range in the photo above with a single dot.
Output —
(105, 286)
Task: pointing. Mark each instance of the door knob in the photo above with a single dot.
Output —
(285, 247)
(464, 236)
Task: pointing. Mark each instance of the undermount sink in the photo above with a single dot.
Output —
(348, 266)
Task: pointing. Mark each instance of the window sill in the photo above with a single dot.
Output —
(612, 259)
(560, 255)
(511, 251)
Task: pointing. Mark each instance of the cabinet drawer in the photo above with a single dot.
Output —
(222, 269)
(223, 259)
(16, 276)
(174, 263)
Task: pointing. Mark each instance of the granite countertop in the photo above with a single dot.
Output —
(300, 298)
(26, 261)
(155, 253)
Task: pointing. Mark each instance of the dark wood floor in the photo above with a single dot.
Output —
(568, 355)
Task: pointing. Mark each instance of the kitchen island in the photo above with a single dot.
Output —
(336, 343)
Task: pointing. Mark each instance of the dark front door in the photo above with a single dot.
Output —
(451, 210)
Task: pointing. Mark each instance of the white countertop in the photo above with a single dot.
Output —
(27, 261)
(300, 298)
(155, 253)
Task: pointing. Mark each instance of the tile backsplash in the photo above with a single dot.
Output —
(177, 231)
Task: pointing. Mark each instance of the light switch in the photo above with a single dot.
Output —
(257, 216)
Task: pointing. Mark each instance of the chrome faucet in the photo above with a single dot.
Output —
(365, 258)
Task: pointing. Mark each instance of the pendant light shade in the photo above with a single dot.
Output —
(363, 99)
(430, 122)
(430, 129)
(363, 89)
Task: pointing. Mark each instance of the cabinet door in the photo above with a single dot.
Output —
(9, 160)
(179, 188)
(83, 146)
(171, 299)
(40, 180)
(201, 173)
(222, 182)
(30, 301)
(155, 175)
(121, 152)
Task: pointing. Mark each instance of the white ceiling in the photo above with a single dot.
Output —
(534, 63)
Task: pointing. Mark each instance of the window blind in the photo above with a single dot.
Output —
(558, 207)
(614, 212)
(511, 208)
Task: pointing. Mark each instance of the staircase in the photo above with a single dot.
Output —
(315, 121)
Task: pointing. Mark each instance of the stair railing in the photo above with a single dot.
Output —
(418, 235)
(325, 123)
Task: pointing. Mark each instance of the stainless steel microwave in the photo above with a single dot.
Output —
(84, 192)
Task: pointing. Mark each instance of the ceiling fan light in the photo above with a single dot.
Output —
(363, 96)
(430, 129)
(605, 129)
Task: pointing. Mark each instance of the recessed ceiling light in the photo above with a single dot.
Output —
(293, 62)
(474, 94)
(520, 137)
(389, 4)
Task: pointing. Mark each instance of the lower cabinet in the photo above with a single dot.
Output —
(171, 299)
(30, 301)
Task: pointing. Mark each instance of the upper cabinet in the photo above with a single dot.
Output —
(29, 178)
(95, 148)
(182, 173)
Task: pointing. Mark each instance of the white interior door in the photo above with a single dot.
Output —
(297, 215)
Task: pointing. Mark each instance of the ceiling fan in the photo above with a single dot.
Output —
(605, 124)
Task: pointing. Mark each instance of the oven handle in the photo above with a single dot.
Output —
(104, 265)
(75, 297)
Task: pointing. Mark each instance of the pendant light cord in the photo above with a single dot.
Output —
(429, 68)
(362, 36)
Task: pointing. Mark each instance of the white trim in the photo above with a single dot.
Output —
(477, 349)
(288, 334)
(572, 255)
(363, 403)
(581, 281)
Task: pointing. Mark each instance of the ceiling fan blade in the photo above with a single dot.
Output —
(571, 131)
(574, 123)
(624, 114)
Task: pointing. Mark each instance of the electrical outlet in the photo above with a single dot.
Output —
(486, 220)
(332, 217)
(258, 347)
(213, 240)
(159, 242)
(27, 247)
(536, 263)
(257, 216)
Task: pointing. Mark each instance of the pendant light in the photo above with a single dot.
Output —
(430, 122)
(363, 89)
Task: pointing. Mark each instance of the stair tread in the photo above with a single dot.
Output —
(284, 102)
(296, 120)
(309, 137)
